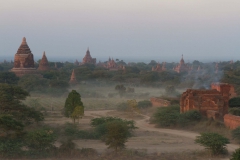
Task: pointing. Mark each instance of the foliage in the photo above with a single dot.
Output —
(234, 111)
(236, 134)
(116, 135)
(73, 100)
(33, 83)
(189, 117)
(132, 105)
(8, 77)
(10, 147)
(78, 112)
(121, 89)
(167, 116)
(144, 104)
(214, 142)
(122, 106)
(40, 139)
(234, 102)
(236, 154)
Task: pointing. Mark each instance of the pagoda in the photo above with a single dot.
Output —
(73, 79)
(181, 67)
(43, 65)
(88, 58)
(23, 60)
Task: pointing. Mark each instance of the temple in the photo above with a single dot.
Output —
(73, 79)
(111, 65)
(212, 103)
(43, 65)
(88, 59)
(182, 67)
(159, 68)
(23, 60)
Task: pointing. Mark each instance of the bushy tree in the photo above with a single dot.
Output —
(8, 77)
(117, 135)
(73, 100)
(236, 134)
(236, 154)
(214, 142)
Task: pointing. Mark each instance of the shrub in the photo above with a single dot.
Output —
(234, 111)
(144, 104)
(234, 102)
(122, 106)
(214, 142)
(10, 148)
(167, 116)
(236, 154)
(236, 133)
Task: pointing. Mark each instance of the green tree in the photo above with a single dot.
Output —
(121, 89)
(117, 135)
(78, 112)
(73, 100)
(214, 142)
(8, 77)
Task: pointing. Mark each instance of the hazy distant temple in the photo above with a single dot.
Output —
(23, 60)
(88, 58)
(159, 68)
(182, 67)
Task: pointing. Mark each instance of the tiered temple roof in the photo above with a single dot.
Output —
(73, 79)
(88, 58)
(43, 65)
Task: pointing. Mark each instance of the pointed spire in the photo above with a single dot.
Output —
(24, 42)
(73, 79)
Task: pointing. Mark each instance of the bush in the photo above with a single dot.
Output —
(144, 104)
(214, 142)
(10, 148)
(234, 111)
(122, 106)
(236, 154)
(234, 102)
(236, 134)
(189, 117)
(167, 116)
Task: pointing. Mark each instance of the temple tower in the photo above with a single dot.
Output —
(73, 79)
(88, 58)
(43, 65)
(23, 60)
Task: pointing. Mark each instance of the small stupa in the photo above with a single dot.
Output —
(73, 79)
(43, 65)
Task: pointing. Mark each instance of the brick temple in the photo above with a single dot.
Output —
(211, 103)
(73, 79)
(159, 68)
(182, 67)
(23, 60)
(88, 58)
(43, 65)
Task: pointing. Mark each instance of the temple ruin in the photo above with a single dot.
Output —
(23, 60)
(211, 103)
(43, 65)
(159, 68)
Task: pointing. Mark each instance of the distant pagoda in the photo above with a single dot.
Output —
(73, 79)
(88, 58)
(43, 65)
(23, 60)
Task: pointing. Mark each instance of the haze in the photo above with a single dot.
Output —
(132, 30)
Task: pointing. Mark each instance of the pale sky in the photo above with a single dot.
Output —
(162, 30)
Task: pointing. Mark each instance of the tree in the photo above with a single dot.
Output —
(117, 135)
(214, 142)
(236, 154)
(133, 105)
(73, 100)
(121, 89)
(8, 77)
(77, 113)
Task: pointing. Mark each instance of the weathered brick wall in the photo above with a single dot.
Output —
(231, 121)
(159, 102)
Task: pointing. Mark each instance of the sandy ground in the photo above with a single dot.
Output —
(146, 138)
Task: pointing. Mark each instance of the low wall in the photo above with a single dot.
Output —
(231, 121)
(158, 102)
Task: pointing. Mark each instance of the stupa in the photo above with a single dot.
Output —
(23, 60)
(43, 65)
(88, 58)
(182, 67)
(73, 79)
